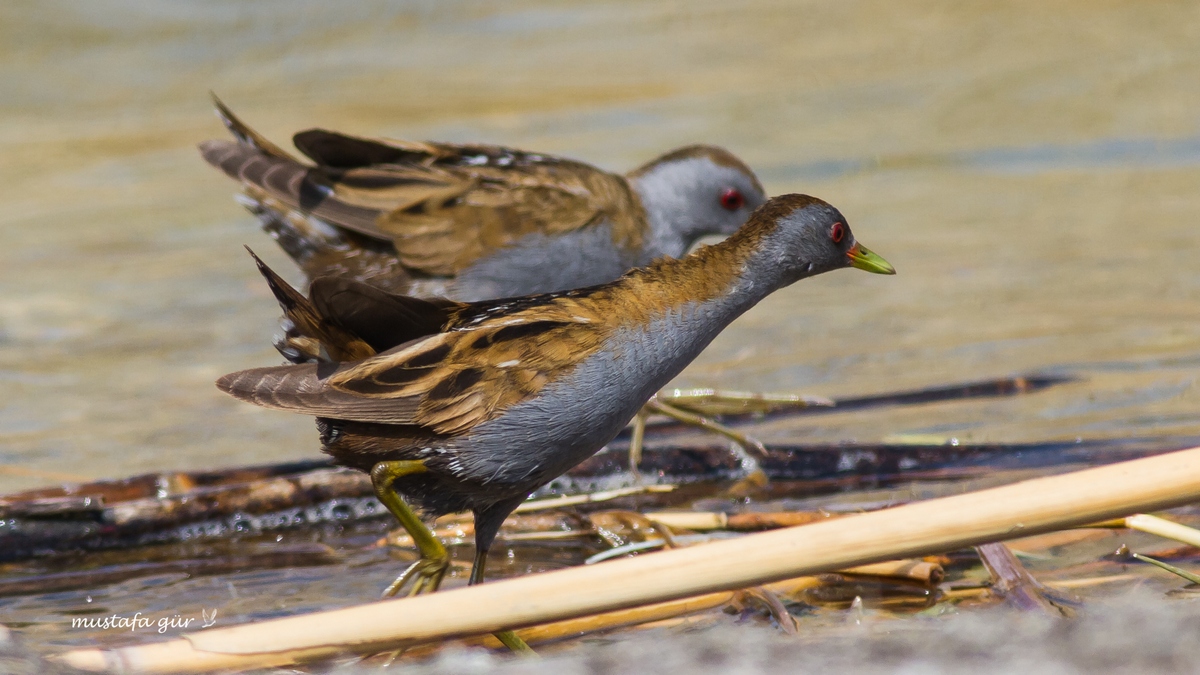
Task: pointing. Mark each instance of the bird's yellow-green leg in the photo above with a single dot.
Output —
(506, 637)
(427, 572)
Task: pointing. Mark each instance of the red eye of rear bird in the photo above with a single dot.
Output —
(732, 199)
(837, 233)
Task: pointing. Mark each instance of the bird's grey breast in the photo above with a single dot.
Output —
(574, 416)
(539, 263)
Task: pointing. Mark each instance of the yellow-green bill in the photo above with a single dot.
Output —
(862, 258)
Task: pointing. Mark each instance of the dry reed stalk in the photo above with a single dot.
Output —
(1021, 509)
(591, 497)
(965, 593)
(1163, 528)
(1052, 540)
(1067, 584)
(628, 617)
(702, 521)
(598, 622)
(916, 570)
(543, 527)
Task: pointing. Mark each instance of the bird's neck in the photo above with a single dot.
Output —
(724, 279)
(665, 209)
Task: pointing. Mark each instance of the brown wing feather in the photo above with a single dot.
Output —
(383, 320)
(446, 382)
(246, 135)
(311, 324)
(491, 356)
(443, 206)
(494, 207)
(467, 376)
(302, 389)
(350, 320)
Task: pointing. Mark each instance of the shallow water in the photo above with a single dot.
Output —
(1031, 172)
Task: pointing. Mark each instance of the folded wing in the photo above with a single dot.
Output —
(440, 365)
(443, 206)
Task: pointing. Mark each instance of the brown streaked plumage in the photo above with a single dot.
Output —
(476, 221)
(471, 406)
(541, 337)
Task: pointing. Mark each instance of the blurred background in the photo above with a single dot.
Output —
(1031, 170)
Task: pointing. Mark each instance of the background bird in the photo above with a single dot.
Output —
(474, 222)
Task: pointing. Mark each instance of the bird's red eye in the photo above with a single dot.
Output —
(732, 199)
(837, 233)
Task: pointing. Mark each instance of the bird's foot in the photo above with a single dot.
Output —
(426, 575)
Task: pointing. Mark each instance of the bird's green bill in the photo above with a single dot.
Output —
(862, 258)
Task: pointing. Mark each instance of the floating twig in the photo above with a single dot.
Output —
(1195, 579)
(1012, 582)
(853, 591)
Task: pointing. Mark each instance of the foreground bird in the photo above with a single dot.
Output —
(472, 222)
(473, 406)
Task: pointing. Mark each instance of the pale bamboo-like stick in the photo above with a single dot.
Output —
(1022, 509)
(906, 569)
(630, 617)
(917, 570)
(1163, 528)
(697, 521)
(1086, 582)
(702, 521)
(591, 497)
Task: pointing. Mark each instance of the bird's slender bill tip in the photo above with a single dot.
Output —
(864, 259)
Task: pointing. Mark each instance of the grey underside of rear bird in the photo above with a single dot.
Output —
(537, 263)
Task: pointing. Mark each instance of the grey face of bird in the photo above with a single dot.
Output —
(815, 238)
(687, 198)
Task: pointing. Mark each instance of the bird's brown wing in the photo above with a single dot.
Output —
(446, 383)
(442, 205)
(310, 331)
(348, 320)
